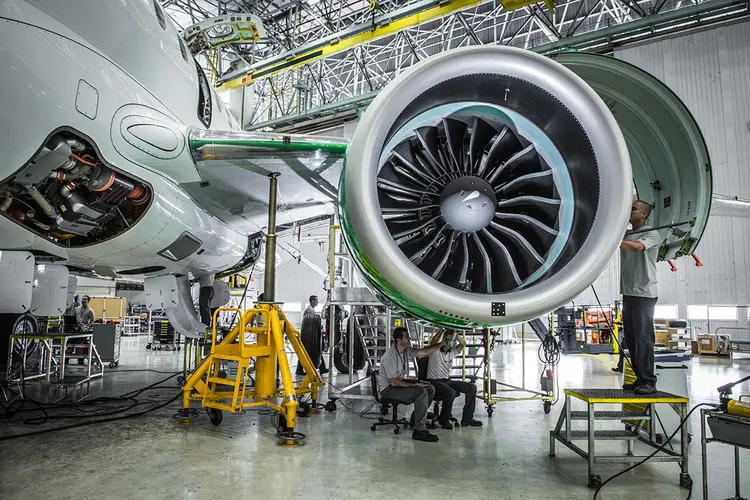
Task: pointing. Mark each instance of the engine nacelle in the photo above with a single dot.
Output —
(488, 186)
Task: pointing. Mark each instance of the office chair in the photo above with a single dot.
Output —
(385, 404)
(437, 400)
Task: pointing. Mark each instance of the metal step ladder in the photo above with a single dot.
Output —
(633, 420)
(372, 329)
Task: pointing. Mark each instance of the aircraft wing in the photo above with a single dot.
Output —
(234, 168)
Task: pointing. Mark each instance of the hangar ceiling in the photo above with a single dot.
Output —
(319, 61)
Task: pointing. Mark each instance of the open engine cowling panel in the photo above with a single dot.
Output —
(490, 185)
(69, 195)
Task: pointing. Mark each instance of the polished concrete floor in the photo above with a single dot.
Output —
(154, 457)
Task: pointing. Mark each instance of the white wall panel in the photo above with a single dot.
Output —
(710, 71)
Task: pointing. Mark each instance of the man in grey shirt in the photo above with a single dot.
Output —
(394, 369)
(84, 314)
(638, 252)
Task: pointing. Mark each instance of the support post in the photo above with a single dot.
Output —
(265, 379)
(269, 278)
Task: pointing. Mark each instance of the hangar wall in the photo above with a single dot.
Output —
(710, 71)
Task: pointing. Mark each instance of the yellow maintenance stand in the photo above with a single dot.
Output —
(269, 325)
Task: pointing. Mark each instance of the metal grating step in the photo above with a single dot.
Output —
(602, 435)
(609, 415)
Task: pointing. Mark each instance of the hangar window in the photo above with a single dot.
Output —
(292, 307)
(716, 313)
(666, 311)
(160, 15)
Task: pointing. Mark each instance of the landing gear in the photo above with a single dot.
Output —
(215, 415)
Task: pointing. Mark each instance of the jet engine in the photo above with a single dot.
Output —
(490, 185)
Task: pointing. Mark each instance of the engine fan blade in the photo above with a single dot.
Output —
(486, 261)
(481, 135)
(536, 184)
(428, 137)
(505, 145)
(508, 277)
(544, 210)
(454, 138)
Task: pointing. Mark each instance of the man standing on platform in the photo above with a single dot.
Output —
(638, 253)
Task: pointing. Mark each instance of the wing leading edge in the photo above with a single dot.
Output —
(234, 168)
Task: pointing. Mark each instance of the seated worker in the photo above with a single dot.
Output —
(439, 366)
(393, 383)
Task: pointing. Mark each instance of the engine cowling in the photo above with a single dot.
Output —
(485, 186)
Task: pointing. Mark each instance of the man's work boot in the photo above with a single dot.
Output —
(631, 386)
(471, 423)
(644, 390)
(424, 436)
(446, 425)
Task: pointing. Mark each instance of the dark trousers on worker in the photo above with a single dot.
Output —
(638, 323)
(206, 294)
(420, 397)
(448, 390)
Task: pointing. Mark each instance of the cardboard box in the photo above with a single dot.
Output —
(661, 337)
(706, 344)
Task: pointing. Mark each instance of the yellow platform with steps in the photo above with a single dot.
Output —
(269, 325)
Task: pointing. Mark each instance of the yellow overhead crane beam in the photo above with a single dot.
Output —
(441, 9)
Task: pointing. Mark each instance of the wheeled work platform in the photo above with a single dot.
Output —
(565, 434)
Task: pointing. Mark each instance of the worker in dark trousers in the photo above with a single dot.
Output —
(439, 367)
(638, 252)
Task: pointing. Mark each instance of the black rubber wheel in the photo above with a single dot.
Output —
(304, 409)
(178, 348)
(148, 346)
(396, 430)
(686, 481)
(490, 411)
(117, 363)
(181, 380)
(282, 424)
(547, 406)
(111, 365)
(373, 428)
(331, 406)
(19, 324)
(215, 415)
(595, 481)
(174, 349)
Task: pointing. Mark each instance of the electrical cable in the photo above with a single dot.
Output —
(92, 422)
(660, 448)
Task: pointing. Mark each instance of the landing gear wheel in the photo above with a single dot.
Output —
(215, 415)
(304, 409)
(686, 481)
(331, 406)
(396, 430)
(595, 481)
(547, 406)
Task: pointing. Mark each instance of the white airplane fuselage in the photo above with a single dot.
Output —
(114, 75)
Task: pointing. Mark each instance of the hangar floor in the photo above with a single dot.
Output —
(153, 457)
